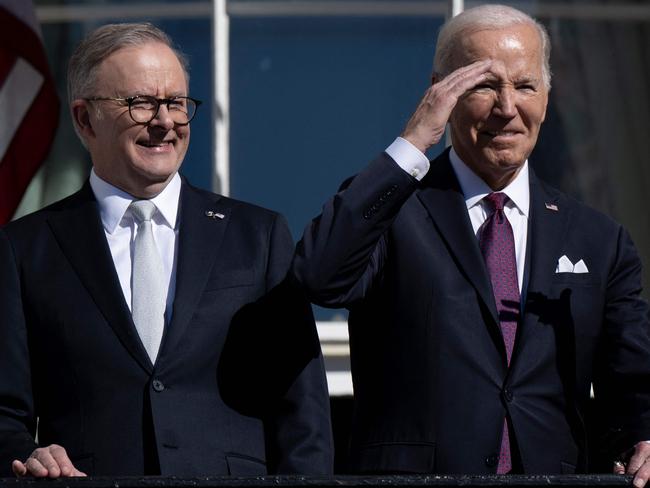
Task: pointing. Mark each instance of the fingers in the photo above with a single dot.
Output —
(619, 467)
(51, 461)
(36, 468)
(427, 124)
(642, 474)
(62, 460)
(461, 80)
(639, 464)
(18, 468)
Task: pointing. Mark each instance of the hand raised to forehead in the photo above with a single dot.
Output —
(427, 124)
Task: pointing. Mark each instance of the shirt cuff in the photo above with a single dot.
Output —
(409, 158)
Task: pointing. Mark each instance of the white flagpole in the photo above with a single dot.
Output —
(221, 98)
(454, 7)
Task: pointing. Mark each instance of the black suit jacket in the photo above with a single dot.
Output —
(238, 386)
(431, 382)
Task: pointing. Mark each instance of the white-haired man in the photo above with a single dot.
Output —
(147, 326)
(483, 304)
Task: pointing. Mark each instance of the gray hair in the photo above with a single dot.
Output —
(486, 17)
(104, 41)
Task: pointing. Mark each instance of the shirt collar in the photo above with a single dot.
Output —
(475, 189)
(114, 202)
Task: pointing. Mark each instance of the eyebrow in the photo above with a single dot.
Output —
(491, 77)
(527, 79)
(142, 94)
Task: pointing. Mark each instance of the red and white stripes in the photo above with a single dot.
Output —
(29, 106)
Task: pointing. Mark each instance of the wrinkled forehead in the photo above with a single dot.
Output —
(142, 65)
(519, 42)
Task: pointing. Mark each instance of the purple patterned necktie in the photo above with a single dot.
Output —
(497, 244)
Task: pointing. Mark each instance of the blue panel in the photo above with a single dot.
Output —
(313, 100)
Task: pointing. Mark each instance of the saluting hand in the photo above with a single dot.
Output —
(427, 124)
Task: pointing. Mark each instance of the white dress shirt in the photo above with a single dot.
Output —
(415, 163)
(121, 228)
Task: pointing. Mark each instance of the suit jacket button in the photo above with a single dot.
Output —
(492, 460)
(158, 385)
(507, 395)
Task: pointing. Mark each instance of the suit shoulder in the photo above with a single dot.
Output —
(579, 209)
(31, 222)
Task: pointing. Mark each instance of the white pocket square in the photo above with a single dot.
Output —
(580, 267)
(564, 265)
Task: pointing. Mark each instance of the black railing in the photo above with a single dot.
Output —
(513, 481)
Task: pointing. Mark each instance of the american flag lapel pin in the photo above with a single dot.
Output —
(214, 215)
(551, 206)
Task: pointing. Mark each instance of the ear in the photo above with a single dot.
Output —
(545, 107)
(81, 118)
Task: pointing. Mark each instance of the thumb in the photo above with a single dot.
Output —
(18, 468)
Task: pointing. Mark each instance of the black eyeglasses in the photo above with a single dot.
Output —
(144, 108)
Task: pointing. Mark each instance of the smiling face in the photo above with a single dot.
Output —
(494, 126)
(139, 159)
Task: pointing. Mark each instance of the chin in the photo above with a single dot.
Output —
(157, 168)
(505, 159)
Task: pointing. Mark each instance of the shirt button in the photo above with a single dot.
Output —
(158, 385)
(415, 172)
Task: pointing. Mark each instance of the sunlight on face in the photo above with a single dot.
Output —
(494, 126)
(138, 158)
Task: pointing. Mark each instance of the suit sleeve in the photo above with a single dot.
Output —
(342, 250)
(297, 425)
(17, 424)
(271, 367)
(622, 379)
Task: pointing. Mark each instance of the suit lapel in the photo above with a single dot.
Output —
(203, 223)
(444, 201)
(79, 232)
(549, 218)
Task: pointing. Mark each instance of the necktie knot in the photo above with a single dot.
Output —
(496, 201)
(142, 210)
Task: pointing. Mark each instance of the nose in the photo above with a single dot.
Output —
(506, 105)
(163, 118)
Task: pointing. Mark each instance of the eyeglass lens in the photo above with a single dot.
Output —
(144, 109)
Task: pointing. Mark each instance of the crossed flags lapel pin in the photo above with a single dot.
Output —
(551, 206)
(214, 215)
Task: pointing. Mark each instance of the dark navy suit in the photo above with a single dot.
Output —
(431, 382)
(238, 386)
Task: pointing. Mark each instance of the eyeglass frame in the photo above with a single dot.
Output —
(159, 101)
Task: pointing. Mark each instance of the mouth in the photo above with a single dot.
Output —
(501, 133)
(155, 143)
(501, 137)
(156, 146)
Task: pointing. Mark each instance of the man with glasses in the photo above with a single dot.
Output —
(147, 326)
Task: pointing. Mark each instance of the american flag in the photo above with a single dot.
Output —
(29, 106)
